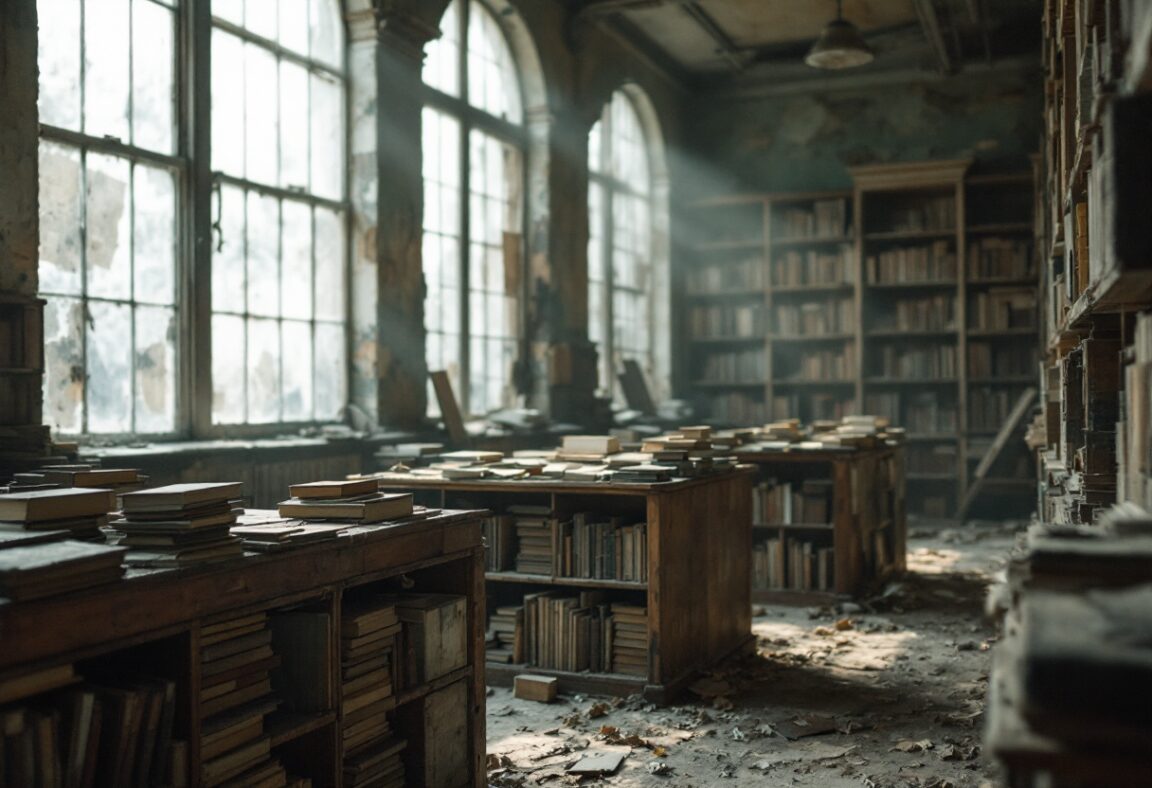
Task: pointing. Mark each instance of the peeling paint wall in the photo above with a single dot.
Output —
(806, 141)
(19, 136)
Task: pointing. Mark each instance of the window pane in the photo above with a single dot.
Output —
(331, 371)
(228, 369)
(152, 86)
(263, 255)
(294, 26)
(155, 235)
(228, 253)
(263, 371)
(59, 60)
(297, 355)
(109, 367)
(442, 62)
(260, 114)
(60, 220)
(261, 18)
(293, 125)
(155, 369)
(227, 103)
(107, 202)
(106, 81)
(327, 137)
(327, 32)
(493, 79)
(330, 265)
(296, 261)
(231, 10)
(64, 364)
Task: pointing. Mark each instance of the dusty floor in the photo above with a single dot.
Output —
(887, 694)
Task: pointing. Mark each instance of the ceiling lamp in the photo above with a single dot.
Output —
(840, 45)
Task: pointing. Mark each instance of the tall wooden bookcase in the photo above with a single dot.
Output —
(152, 623)
(697, 595)
(914, 296)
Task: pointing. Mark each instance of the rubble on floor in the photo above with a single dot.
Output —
(884, 693)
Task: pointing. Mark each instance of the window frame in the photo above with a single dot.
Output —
(470, 118)
(610, 184)
(194, 213)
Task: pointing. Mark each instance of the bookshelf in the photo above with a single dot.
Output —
(913, 296)
(177, 629)
(23, 441)
(826, 522)
(693, 528)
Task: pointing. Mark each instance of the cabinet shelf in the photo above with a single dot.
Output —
(559, 580)
(825, 241)
(911, 235)
(813, 338)
(285, 726)
(825, 287)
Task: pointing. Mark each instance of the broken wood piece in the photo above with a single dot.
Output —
(529, 686)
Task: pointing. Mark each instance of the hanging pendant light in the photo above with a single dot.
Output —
(839, 45)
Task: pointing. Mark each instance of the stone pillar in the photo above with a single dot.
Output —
(404, 29)
(23, 439)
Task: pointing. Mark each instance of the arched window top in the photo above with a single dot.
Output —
(618, 146)
(493, 77)
(314, 32)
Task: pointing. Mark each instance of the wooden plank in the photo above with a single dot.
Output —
(450, 410)
(1015, 418)
(635, 388)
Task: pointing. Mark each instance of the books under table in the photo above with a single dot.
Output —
(369, 632)
(236, 696)
(80, 511)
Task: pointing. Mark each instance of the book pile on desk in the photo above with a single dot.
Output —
(40, 570)
(236, 660)
(265, 531)
(178, 525)
(76, 513)
(48, 477)
(349, 501)
(368, 638)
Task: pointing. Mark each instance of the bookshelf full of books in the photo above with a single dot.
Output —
(912, 297)
(585, 580)
(352, 661)
(826, 522)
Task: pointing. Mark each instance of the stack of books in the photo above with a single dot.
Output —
(119, 480)
(500, 542)
(368, 637)
(505, 638)
(534, 540)
(587, 448)
(347, 501)
(630, 639)
(79, 512)
(236, 659)
(178, 525)
(41, 570)
(379, 766)
(265, 531)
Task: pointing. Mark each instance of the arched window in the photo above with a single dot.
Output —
(624, 282)
(473, 151)
(128, 190)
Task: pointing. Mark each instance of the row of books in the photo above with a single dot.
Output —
(1000, 258)
(369, 632)
(737, 408)
(989, 407)
(793, 564)
(100, 731)
(584, 632)
(917, 363)
(986, 360)
(814, 406)
(794, 268)
(821, 365)
(726, 277)
(1001, 308)
(923, 412)
(808, 502)
(816, 318)
(930, 214)
(738, 366)
(934, 262)
(587, 546)
(825, 219)
(930, 313)
(741, 320)
(931, 458)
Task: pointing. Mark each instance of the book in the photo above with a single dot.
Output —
(177, 497)
(87, 476)
(382, 506)
(333, 489)
(598, 445)
(41, 505)
(36, 682)
(57, 567)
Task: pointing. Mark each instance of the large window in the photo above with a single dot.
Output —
(473, 151)
(621, 276)
(118, 188)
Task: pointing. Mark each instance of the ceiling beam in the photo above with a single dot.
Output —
(725, 46)
(930, 23)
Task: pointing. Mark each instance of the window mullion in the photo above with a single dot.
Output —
(196, 243)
